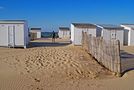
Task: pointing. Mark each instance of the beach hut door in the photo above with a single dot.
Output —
(11, 36)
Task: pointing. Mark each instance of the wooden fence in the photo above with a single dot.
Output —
(106, 53)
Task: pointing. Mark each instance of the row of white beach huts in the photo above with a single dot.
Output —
(15, 33)
(124, 33)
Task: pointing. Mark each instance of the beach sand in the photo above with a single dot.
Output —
(56, 66)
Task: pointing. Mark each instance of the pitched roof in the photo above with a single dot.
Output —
(84, 25)
(111, 27)
(64, 28)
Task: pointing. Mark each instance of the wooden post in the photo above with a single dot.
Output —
(82, 41)
(118, 58)
(112, 56)
(101, 49)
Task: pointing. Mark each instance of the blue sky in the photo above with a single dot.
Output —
(50, 14)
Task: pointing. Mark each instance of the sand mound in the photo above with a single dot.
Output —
(46, 67)
(69, 62)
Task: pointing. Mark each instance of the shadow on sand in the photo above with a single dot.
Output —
(126, 55)
(127, 61)
(48, 44)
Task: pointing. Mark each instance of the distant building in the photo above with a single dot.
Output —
(112, 32)
(77, 28)
(64, 32)
(128, 34)
(14, 33)
(35, 33)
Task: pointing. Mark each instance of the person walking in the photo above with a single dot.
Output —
(53, 36)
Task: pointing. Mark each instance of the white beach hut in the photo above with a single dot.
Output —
(77, 28)
(128, 34)
(64, 32)
(35, 33)
(14, 33)
(112, 32)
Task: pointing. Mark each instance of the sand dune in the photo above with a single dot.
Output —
(56, 68)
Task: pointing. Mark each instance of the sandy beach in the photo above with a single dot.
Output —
(56, 66)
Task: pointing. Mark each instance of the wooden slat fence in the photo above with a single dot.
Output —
(106, 53)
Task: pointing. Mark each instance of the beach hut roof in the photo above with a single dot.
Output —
(12, 21)
(129, 25)
(111, 27)
(35, 29)
(64, 28)
(84, 25)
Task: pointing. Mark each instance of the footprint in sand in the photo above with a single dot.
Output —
(48, 62)
(79, 71)
(55, 63)
(52, 66)
(39, 88)
(60, 64)
(17, 59)
(36, 80)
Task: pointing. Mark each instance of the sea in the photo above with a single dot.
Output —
(48, 34)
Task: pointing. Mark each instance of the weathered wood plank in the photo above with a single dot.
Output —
(106, 52)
